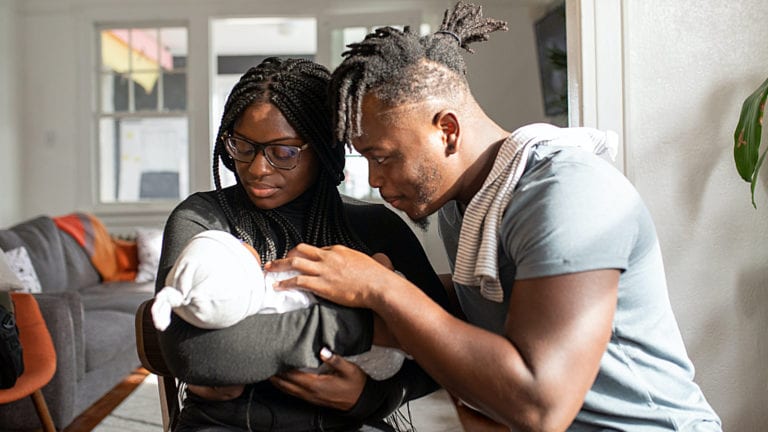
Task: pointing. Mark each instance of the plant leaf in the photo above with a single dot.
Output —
(746, 138)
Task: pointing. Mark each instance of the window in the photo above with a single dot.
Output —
(142, 124)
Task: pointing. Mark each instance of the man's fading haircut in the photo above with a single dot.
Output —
(400, 67)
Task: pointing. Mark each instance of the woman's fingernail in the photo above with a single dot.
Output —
(325, 353)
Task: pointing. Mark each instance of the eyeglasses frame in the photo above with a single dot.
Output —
(262, 148)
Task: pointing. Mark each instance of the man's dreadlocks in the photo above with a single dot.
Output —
(298, 88)
(400, 67)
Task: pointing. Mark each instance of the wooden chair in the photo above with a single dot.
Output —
(148, 348)
(39, 358)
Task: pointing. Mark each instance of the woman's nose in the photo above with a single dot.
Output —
(260, 165)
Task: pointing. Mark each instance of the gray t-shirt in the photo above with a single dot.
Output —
(573, 212)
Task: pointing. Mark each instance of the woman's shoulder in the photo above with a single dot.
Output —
(199, 207)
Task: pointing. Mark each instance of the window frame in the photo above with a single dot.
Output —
(140, 207)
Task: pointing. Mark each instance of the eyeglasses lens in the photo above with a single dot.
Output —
(279, 156)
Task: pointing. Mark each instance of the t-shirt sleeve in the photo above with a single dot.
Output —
(575, 215)
(260, 345)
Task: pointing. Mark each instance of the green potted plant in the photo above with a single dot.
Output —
(747, 137)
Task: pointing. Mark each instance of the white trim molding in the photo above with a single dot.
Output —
(596, 36)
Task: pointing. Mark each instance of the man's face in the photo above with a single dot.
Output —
(405, 154)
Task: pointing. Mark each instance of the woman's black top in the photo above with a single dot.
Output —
(240, 354)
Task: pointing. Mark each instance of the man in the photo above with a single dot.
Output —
(556, 261)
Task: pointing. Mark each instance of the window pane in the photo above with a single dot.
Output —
(114, 50)
(174, 42)
(174, 91)
(145, 50)
(114, 92)
(145, 90)
(145, 56)
(143, 159)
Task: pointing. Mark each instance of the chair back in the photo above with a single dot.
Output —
(39, 357)
(148, 348)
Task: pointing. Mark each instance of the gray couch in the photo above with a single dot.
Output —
(91, 323)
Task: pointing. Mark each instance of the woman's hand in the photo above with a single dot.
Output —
(339, 389)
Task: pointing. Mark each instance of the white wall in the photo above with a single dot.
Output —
(57, 174)
(10, 205)
(690, 66)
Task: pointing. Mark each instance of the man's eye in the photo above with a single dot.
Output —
(379, 160)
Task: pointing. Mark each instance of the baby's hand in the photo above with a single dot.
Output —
(217, 393)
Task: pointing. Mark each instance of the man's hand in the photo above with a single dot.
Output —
(339, 389)
(337, 273)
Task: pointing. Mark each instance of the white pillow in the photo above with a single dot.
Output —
(149, 242)
(18, 260)
(8, 279)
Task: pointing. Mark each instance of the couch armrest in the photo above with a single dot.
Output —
(77, 310)
(61, 392)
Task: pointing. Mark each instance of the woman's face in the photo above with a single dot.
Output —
(269, 187)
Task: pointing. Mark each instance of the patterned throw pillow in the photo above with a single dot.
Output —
(149, 242)
(8, 279)
(18, 260)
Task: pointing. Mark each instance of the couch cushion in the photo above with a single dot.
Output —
(80, 271)
(43, 243)
(117, 296)
(106, 334)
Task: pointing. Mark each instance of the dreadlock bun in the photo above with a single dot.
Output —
(399, 66)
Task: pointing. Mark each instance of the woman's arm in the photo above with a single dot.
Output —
(249, 351)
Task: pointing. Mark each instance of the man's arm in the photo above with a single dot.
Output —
(535, 377)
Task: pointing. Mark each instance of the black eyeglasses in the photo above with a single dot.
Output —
(280, 156)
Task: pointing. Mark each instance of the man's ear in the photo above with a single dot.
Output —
(448, 122)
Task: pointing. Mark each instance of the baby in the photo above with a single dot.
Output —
(217, 281)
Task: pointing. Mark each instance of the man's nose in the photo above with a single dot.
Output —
(375, 178)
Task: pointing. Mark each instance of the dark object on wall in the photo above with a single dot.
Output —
(159, 185)
(551, 50)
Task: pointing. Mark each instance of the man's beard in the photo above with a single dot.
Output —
(425, 190)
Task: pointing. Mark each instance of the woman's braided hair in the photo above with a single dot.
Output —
(400, 67)
(298, 88)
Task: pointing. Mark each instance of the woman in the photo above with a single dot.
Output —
(275, 135)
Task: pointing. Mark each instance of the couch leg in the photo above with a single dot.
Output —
(42, 411)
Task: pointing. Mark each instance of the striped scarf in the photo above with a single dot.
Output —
(477, 256)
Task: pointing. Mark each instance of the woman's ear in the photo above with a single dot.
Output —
(448, 123)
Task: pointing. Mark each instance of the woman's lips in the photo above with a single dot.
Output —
(261, 190)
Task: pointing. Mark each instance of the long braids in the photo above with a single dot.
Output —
(298, 88)
(399, 66)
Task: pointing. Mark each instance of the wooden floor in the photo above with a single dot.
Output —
(91, 417)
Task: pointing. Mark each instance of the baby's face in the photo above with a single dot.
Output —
(254, 252)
